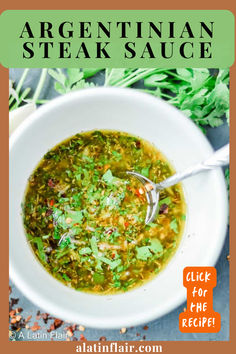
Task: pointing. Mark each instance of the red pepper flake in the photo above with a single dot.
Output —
(70, 330)
(13, 302)
(145, 328)
(82, 337)
(12, 313)
(19, 310)
(28, 319)
(52, 202)
(138, 144)
(126, 224)
(74, 327)
(102, 339)
(138, 334)
(51, 183)
(57, 323)
(139, 192)
(51, 328)
(35, 327)
(45, 317)
(69, 333)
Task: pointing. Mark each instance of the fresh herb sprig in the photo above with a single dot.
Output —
(196, 92)
(72, 79)
(17, 96)
(199, 94)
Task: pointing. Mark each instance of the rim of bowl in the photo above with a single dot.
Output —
(141, 317)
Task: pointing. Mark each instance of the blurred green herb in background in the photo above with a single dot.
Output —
(196, 92)
(227, 178)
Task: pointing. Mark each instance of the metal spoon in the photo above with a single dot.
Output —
(152, 190)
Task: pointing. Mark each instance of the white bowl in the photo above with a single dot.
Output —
(183, 144)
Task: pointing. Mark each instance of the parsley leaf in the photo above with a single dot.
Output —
(75, 216)
(166, 201)
(64, 276)
(156, 246)
(201, 96)
(98, 278)
(108, 177)
(94, 246)
(112, 264)
(38, 241)
(117, 155)
(85, 250)
(144, 252)
(145, 171)
(174, 225)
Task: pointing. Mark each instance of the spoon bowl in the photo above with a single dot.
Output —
(219, 158)
(152, 196)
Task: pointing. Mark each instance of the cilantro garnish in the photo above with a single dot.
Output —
(145, 252)
(117, 155)
(64, 276)
(39, 242)
(75, 216)
(112, 264)
(165, 201)
(145, 171)
(108, 177)
(85, 250)
(174, 225)
(91, 221)
(94, 246)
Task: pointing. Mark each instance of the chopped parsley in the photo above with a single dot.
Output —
(84, 216)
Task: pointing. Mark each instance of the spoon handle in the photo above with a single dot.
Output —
(219, 158)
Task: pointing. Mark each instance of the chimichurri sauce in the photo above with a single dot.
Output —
(84, 216)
